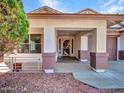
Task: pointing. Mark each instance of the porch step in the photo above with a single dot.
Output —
(26, 66)
(31, 66)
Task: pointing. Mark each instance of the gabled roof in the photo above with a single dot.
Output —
(46, 9)
(88, 11)
(49, 10)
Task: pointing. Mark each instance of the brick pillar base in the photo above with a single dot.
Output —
(83, 55)
(99, 61)
(121, 54)
(49, 60)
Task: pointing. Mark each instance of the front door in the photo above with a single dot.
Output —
(66, 46)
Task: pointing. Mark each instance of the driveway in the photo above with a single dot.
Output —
(112, 78)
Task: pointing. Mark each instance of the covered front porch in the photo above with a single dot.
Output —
(72, 41)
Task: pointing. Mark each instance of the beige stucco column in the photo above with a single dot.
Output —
(49, 52)
(99, 56)
(84, 48)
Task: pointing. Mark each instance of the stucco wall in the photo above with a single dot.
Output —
(77, 23)
(99, 39)
(49, 40)
(100, 25)
(84, 43)
(77, 44)
(35, 30)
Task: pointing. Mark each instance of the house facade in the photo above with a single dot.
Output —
(86, 35)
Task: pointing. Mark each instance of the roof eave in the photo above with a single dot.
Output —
(74, 15)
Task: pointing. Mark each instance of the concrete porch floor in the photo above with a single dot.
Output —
(113, 78)
(67, 59)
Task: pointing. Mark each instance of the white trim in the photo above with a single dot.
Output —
(62, 40)
(49, 71)
(98, 70)
(118, 47)
(84, 60)
(4, 67)
(84, 43)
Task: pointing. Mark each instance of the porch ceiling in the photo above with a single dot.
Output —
(72, 31)
(66, 33)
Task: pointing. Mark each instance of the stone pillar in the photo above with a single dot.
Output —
(49, 52)
(84, 49)
(99, 56)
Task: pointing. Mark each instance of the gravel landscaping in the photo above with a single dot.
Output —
(46, 83)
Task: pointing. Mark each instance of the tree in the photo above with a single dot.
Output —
(13, 25)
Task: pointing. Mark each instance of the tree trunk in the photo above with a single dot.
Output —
(1, 59)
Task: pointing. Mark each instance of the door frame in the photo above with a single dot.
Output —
(60, 47)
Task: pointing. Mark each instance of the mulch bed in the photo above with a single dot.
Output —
(46, 83)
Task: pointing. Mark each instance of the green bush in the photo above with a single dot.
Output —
(13, 25)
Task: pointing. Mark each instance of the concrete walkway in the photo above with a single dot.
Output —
(113, 78)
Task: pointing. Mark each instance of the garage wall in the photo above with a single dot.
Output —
(112, 47)
(122, 42)
(121, 47)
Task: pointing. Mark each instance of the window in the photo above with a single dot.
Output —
(31, 45)
(24, 47)
(35, 43)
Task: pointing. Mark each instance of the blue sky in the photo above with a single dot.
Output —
(102, 6)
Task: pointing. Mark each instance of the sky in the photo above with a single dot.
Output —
(72, 6)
